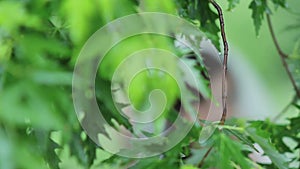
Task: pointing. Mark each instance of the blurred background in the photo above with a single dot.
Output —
(255, 61)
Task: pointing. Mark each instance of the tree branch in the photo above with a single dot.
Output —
(224, 76)
(204, 157)
(282, 55)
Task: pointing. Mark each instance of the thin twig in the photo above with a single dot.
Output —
(204, 157)
(224, 77)
(275, 119)
(278, 116)
(282, 55)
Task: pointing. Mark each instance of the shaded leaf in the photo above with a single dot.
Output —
(242, 137)
(259, 8)
(264, 142)
(281, 3)
(230, 151)
(201, 14)
(232, 4)
(51, 156)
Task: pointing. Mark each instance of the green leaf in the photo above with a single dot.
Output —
(69, 161)
(83, 150)
(232, 4)
(5, 50)
(52, 77)
(230, 151)
(242, 137)
(34, 47)
(90, 150)
(47, 147)
(264, 142)
(259, 8)
(200, 13)
(13, 15)
(188, 167)
(78, 19)
(281, 3)
(25, 103)
(51, 156)
(279, 132)
(203, 84)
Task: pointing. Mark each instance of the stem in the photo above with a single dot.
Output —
(204, 157)
(224, 77)
(232, 128)
(282, 55)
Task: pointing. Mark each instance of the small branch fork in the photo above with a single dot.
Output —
(282, 55)
(224, 76)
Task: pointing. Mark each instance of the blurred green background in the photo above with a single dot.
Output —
(258, 53)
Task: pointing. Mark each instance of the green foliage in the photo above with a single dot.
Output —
(230, 152)
(262, 138)
(259, 8)
(232, 4)
(281, 3)
(200, 13)
(39, 44)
